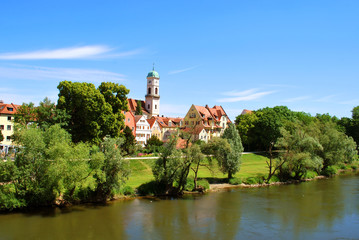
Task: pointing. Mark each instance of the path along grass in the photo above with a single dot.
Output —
(252, 166)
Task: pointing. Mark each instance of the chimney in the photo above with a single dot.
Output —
(1, 101)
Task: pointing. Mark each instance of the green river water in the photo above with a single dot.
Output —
(321, 209)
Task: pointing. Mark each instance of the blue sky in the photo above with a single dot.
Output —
(238, 54)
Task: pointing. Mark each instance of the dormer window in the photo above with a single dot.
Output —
(10, 109)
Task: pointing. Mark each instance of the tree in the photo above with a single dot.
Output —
(47, 115)
(245, 124)
(129, 144)
(232, 163)
(195, 155)
(138, 108)
(25, 114)
(220, 149)
(154, 144)
(91, 116)
(114, 170)
(300, 152)
(170, 167)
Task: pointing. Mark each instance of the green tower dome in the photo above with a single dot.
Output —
(153, 73)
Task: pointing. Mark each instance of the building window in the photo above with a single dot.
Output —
(133, 128)
(128, 120)
(9, 118)
(8, 138)
(155, 106)
(156, 91)
(8, 127)
(148, 106)
(186, 123)
(149, 90)
(2, 127)
(10, 109)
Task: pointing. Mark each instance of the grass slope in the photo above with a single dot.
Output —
(252, 166)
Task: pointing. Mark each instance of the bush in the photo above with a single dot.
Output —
(189, 184)
(311, 174)
(127, 190)
(354, 167)
(235, 181)
(274, 179)
(203, 183)
(341, 166)
(250, 180)
(151, 188)
(329, 171)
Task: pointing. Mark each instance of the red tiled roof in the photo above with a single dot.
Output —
(214, 113)
(132, 105)
(151, 121)
(5, 108)
(246, 111)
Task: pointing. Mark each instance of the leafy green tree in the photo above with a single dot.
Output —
(220, 149)
(114, 171)
(245, 125)
(195, 155)
(337, 147)
(300, 152)
(91, 116)
(129, 144)
(232, 163)
(47, 115)
(139, 108)
(25, 114)
(154, 144)
(169, 167)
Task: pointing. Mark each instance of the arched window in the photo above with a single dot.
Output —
(149, 90)
(155, 106)
(156, 91)
(148, 106)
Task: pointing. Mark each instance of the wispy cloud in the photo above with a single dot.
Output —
(83, 52)
(247, 95)
(181, 70)
(297, 99)
(46, 73)
(326, 98)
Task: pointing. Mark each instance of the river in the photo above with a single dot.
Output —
(320, 209)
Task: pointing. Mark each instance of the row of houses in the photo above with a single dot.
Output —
(202, 122)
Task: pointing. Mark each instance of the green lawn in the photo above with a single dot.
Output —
(252, 165)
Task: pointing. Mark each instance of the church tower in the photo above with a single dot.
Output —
(153, 93)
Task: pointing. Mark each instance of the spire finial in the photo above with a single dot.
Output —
(153, 68)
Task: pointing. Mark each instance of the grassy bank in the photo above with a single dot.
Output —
(252, 166)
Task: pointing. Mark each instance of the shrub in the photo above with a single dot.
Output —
(354, 167)
(127, 190)
(189, 184)
(274, 179)
(250, 180)
(311, 174)
(329, 171)
(235, 181)
(203, 183)
(151, 188)
(341, 166)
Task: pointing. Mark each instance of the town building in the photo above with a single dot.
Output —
(143, 129)
(156, 129)
(130, 121)
(7, 112)
(212, 120)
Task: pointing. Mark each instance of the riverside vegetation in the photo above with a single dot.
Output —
(73, 152)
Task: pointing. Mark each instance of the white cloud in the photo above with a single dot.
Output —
(181, 70)
(247, 95)
(46, 73)
(296, 99)
(83, 52)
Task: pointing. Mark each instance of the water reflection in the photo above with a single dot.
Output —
(324, 209)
